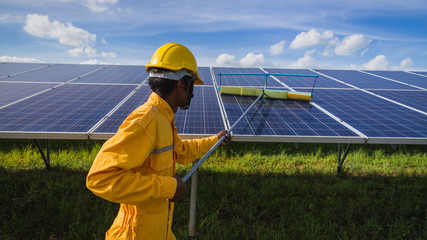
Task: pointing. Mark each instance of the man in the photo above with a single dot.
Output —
(136, 167)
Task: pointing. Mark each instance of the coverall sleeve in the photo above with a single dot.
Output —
(189, 150)
(112, 175)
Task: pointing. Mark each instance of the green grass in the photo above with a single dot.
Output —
(245, 191)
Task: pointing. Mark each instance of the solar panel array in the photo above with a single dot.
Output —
(71, 101)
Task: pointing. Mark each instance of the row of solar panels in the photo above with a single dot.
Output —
(90, 101)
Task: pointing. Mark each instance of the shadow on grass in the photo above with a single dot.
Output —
(306, 206)
(55, 204)
(40, 204)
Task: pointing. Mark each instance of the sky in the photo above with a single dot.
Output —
(327, 34)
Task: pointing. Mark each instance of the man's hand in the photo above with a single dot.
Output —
(226, 139)
(181, 187)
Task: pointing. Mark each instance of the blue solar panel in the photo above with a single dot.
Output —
(79, 106)
(421, 73)
(11, 92)
(371, 115)
(205, 75)
(204, 115)
(413, 79)
(298, 82)
(7, 69)
(117, 74)
(280, 117)
(54, 73)
(363, 80)
(69, 108)
(244, 80)
(113, 122)
(415, 99)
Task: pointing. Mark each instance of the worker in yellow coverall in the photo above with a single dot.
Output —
(136, 167)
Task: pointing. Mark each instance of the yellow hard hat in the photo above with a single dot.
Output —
(174, 57)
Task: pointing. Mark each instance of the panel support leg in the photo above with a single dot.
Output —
(193, 197)
(341, 159)
(297, 146)
(46, 157)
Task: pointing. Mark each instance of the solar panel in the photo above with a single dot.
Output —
(54, 73)
(416, 99)
(11, 92)
(246, 80)
(69, 108)
(424, 74)
(113, 122)
(38, 101)
(280, 117)
(116, 74)
(363, 80)
(371, 115)
(205, 74)
(305, 82)
(203, 117)
(7, 69)
(409, 78)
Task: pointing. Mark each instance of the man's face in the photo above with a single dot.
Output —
(187, 93)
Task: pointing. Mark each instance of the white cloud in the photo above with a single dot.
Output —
(66, 34)
(351, 44)
(40, 26)
(311, 38)
(406, 63)
(306, 62)
(99, 5)
(328, 51)
(96, 61)
(19, 59)
(380, 62)
(225, 60)
(277, 48)
(109, 54)
(252, 60)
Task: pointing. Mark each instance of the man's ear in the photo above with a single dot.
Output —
(180, 85)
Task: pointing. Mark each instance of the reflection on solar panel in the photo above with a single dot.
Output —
(91, 101)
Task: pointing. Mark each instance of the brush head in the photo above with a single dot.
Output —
(274, 94)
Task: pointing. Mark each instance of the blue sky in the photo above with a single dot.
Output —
(337, 34)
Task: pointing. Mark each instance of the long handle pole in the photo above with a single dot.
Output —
(197, 165)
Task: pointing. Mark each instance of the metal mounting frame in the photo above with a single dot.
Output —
(341, 159)
(46, 157)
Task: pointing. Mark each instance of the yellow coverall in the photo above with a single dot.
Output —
(136, 168)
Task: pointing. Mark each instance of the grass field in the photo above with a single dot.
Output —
(245, 191)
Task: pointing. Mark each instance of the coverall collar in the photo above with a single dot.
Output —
(162, 106)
